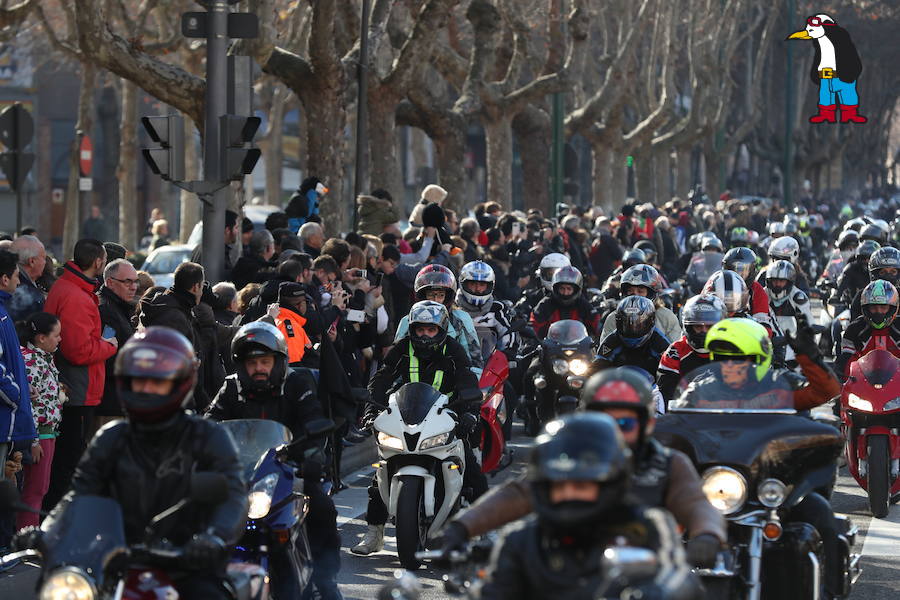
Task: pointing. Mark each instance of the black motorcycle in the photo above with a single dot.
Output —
(758, 459)
(566, 355)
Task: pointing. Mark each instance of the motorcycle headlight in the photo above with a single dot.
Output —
(435, 441)
(389, 441)
(858, 403)
(578, 367)
(260, 497)
(771, 493)
(69, 583)
(725, 488)
(560, 367)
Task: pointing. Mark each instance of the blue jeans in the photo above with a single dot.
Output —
(835, 91)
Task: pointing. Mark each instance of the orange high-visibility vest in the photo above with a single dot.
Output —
(291, 326)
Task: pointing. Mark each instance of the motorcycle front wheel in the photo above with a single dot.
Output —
(412, 531)
(879, 475)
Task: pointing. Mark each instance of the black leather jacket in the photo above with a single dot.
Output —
(531, 563)
(147, 472)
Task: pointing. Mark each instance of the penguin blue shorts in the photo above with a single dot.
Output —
(845, 93)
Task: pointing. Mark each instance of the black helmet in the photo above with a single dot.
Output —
(622, 387)
(428, 312)
(258, 339)
(635, 319)
(155, 353)
(632, 257)
(865, 250)
(885, 257)
(648, 248)
(579, 447)
(704, 310)
(570, 276)
(742, 261)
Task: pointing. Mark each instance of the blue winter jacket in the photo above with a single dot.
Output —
(16, 420)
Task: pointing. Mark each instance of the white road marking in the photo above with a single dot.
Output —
(883, 535)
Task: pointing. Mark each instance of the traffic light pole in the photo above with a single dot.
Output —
(215, 204)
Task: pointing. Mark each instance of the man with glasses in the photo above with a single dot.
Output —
(28, 297)
(117, 296)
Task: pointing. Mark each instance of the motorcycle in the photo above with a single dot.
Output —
(421, 466)
(870, 416)
(758, 459)
(274, 537)
(495, 416)
(84, 554)
(566, 355)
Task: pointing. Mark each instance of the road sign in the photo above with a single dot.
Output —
(86, 156)
(16, 131)
(85, 184)
(57, 195)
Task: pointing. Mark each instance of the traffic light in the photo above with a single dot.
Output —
(166, 160)
(16, 132)
(238, 154)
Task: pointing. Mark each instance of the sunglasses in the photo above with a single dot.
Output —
(817, 22)
(627, 424)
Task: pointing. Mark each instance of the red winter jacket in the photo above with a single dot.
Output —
(82, 354)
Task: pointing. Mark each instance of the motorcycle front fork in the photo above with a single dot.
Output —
(754, 567)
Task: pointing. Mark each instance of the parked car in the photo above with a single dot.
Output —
(162, 262)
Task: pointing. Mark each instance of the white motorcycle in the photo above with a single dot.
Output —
(420, 474)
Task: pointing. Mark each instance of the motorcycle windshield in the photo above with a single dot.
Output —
(414, 401)
(254, 438)
(85, 532)
(878, 367)
(731, 387)
(567, 332)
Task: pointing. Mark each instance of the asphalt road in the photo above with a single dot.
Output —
(361, 577)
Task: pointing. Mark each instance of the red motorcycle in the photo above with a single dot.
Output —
(494, 414)
(870, 418)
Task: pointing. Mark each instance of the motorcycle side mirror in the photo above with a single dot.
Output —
(208, 488)
(629, 562)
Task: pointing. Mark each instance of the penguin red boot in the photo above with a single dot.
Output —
(827, 114)
(848, 114)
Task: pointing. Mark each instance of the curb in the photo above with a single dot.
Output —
(358, 456)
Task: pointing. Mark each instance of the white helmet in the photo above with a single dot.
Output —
(784, 248)
(550, 264)
(730, 288)
(476, 271)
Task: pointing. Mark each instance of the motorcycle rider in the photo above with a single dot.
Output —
(745, 353)
(855, 275)
(644, 280)
(745, 263)
(630, 258)
(732, 291)
(475, 296)
(789, 303)
(661, 476)
(565, 302)
(688, 353)
(845, 248)
(786, 248)
(883, 264)
(265, 387)
(438, 284)
(875, 329)
(429, 355)
(145, 461)
(579, 476)
(548, 266)
(636, 341)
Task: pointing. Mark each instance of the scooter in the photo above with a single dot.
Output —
(420, 474)
(275, 535)
(83, 551)
(870, 416)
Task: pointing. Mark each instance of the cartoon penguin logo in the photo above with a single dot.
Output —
(835, 69)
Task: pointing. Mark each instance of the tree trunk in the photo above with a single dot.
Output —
(498, 138)
(662, 169)
(450, 149)
(275, 146)
(72, 227)
(325, 144)
(601, 177)
(643, 173)
(384, 158)
(683, 171)
(190, 203)
(618, 179)
(713, 160)
(532, 130)
(126, 171)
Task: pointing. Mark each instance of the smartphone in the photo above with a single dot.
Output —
(360, 273)
(356, 316)
(378, 277)
(108, 332)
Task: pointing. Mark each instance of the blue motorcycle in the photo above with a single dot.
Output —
(275, 537)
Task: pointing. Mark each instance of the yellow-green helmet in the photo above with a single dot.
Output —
(741, 337)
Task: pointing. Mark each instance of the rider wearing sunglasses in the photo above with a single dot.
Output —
(661, 476)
